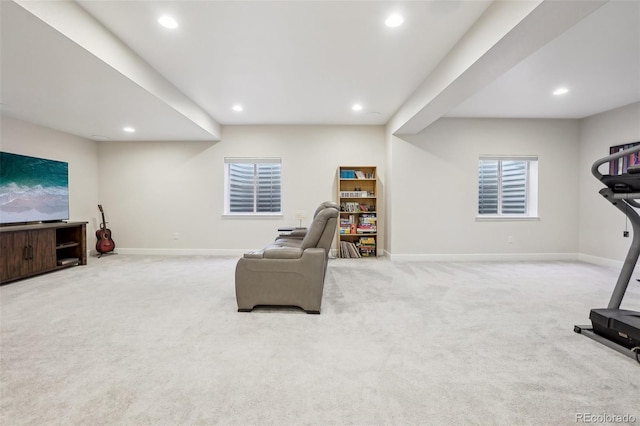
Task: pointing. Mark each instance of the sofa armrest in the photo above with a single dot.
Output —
(306, 262)
(297, 232)
(275, 251)
(282, 253)
(257, 254)
(292, 234)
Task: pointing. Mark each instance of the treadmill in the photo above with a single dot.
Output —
(618, 328)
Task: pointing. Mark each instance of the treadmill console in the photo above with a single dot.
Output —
(624, 183)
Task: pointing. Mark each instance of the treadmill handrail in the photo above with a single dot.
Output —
(627, 196)
(619, 154)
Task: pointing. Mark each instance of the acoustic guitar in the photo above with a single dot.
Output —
(105, 244)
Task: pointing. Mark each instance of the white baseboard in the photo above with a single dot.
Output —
(183, 252)
(473, 257)
(483, 257)
(601, 261)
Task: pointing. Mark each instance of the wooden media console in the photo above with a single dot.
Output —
(27, 250)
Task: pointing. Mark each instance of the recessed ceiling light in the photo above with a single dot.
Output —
(129, 129)
(237, 108)
(394, 21)
(357, 107)
(168, 22)
(561, 91)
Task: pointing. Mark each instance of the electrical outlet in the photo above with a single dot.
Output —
(625, 234)
(176, 236)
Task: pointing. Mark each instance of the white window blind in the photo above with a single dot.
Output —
(488, 187)
(253, 185)
(504, 187)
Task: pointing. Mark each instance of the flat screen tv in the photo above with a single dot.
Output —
(33, 189)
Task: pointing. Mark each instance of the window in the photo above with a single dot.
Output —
(253, 186)
(508, 187)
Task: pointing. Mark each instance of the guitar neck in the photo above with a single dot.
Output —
(104, 223)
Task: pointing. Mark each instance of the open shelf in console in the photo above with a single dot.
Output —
(70, 246)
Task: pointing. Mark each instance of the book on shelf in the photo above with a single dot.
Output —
(356, 174)
(367, 246)
(349, 250)
(353, 207)
(354, 194)
(367, 250)
(370, 230)
(367, 223)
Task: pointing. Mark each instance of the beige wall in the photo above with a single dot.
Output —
(601, 224)
(20, 137)
(435, 190)
(155, 190)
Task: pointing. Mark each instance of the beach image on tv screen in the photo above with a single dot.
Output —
(33, 189)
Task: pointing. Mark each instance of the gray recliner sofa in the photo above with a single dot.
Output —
(288, 272)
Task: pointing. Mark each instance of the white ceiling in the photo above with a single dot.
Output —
(92, 67)
(598, 60)
(287, 62)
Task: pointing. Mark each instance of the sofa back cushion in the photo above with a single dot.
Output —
(322, 230)
(324, 205)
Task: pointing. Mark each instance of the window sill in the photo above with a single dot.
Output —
(252, 216)
(507, 218)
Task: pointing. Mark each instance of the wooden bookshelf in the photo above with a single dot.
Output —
(358, 218)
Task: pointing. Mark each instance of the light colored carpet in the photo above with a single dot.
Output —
(137, 340)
